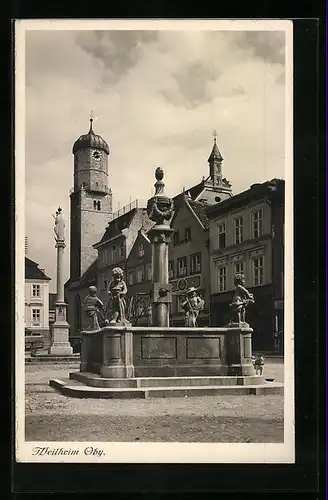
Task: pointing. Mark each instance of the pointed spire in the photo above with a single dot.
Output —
(215, 153)
(91, 122)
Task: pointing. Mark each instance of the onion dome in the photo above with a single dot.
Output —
(90, 140)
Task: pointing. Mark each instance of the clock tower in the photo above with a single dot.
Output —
(91, 200)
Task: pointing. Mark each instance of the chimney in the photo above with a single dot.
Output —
(26, 245)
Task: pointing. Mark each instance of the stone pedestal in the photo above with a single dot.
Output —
(60, 344)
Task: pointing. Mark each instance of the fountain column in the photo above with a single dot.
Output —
(159, 210)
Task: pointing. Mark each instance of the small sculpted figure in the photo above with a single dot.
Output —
(117, 291)
(92, 307)
(259, 365)
(59, 226)
(192, 305)
(242, 297)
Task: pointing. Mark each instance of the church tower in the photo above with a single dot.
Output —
(91, 200)
(215, 187)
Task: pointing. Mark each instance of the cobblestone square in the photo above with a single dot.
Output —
(51, 416)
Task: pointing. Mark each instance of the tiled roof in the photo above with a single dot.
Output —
(116, 226)
(33, 272)
(200, 210)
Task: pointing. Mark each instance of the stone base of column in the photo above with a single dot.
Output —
(60, 345)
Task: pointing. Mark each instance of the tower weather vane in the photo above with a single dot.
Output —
(214, 135)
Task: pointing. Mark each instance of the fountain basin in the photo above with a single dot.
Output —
(128, 352)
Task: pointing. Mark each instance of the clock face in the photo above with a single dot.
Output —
(96, 155)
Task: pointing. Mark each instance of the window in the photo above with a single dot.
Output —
(140, 275)
(113, 253)
(222, 278)
(221, 232)
(141, 250)
(122, 249)
(258, 268)
(239, 267)
(149, 272)
(105, 283)
(182, 266)
(257, 216)
(130, 278)
(36, 291)
(96, 205)
(176, 238)
(36, 316)
(195, 263)
(171, 269)
(238, 222)
(188, 234)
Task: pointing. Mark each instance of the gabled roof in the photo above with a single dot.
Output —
(255, 192)
(32, 271)
(116, 226)
(199, 209)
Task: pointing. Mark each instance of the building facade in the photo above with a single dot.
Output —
(246, 236)
(37, 300)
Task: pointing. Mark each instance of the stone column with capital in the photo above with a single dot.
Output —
(60, 345)
(159, 209)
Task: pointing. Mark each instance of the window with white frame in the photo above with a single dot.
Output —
(257, 223)
(130, 277)
(122, 249)
(182, 266)
(195, 263)
(36, 316)
(221, 235)
(140, 275)
(239, 267)
(36, 291)
(141, 250)
(238, 227)
(171, 269)
(258, 271)
(222, 278)
(149, 271)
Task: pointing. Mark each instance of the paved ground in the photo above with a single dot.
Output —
(53, 417)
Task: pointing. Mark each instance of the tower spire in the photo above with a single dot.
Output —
(91, 122)
(215, 162)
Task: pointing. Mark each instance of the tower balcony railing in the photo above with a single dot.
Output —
(127, 208)
(91, 187)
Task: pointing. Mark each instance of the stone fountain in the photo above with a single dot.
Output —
(122, 361)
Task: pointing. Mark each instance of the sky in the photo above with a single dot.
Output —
(156, 97)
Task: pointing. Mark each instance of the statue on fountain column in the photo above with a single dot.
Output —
(192, 305)
(160, 206)
(92, 307)
(117, 291)
(59, 226)
(241, 299)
